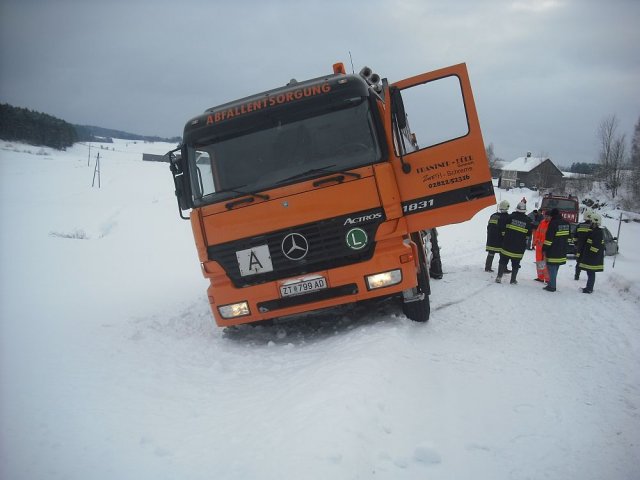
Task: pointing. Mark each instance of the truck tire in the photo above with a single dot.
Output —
(419, 310)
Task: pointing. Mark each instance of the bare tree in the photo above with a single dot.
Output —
(491, 156)
(495, 162)
(612, 153)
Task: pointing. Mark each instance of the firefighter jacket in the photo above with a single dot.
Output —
(495, 231)
(555, 243)
(582, 231)
(516, 231)
(592, 257)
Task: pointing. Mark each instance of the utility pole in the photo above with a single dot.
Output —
(617, 240)
(89, 157)
(96, 170)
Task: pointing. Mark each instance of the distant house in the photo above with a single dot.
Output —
(531, 172)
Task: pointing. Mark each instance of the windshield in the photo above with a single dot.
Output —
(288, 150)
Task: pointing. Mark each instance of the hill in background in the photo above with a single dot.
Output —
(90, 133)
(41, 129)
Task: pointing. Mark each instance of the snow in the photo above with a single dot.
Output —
(112, 368)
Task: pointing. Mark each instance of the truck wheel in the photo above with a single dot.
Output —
(419, 310)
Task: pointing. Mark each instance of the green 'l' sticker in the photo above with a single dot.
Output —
(356, 238)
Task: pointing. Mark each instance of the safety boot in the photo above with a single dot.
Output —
(501, 268)
(514, 274)
(487, 264)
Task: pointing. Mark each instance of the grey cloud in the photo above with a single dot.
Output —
(543, 78)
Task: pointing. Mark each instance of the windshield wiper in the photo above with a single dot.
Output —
(251, 196)
(263, 196)
(325, 169)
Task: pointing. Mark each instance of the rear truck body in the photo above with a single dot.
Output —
(567, 205)
(319, 193)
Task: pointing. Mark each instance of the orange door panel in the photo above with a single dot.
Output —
(438, 154)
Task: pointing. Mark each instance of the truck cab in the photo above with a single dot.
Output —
(320, 193)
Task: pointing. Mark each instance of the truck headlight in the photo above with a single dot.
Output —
(234, 310)
(384, 279)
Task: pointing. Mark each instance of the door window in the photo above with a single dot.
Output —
(435, 113)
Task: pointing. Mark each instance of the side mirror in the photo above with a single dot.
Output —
(180, 180)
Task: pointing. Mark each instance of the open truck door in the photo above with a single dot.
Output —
(441, 165)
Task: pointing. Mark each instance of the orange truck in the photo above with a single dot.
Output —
(319, 193)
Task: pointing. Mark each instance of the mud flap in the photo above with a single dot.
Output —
(440, 161)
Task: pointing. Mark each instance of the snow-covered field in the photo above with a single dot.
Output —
(111, 366)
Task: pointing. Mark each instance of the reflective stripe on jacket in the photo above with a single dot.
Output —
(582, 231)
(516, 231)
(495, 231)
(555, 242)
(592, 257)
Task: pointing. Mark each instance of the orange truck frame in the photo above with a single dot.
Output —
(319, 193)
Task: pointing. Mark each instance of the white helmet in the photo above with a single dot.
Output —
(587, 215)
(522, 207)
(503, 206)
(596, 219)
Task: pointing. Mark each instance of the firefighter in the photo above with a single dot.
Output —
(592, 257)
(495, 233)
(514, 243)
(555, 246)
(582, 231)
(538, 241)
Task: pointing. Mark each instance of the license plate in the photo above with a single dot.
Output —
(303, 286)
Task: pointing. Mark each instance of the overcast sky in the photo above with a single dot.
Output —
(545, 73)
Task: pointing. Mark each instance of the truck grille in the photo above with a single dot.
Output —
(327, 248)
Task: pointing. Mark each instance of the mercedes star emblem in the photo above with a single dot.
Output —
(295, 246)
